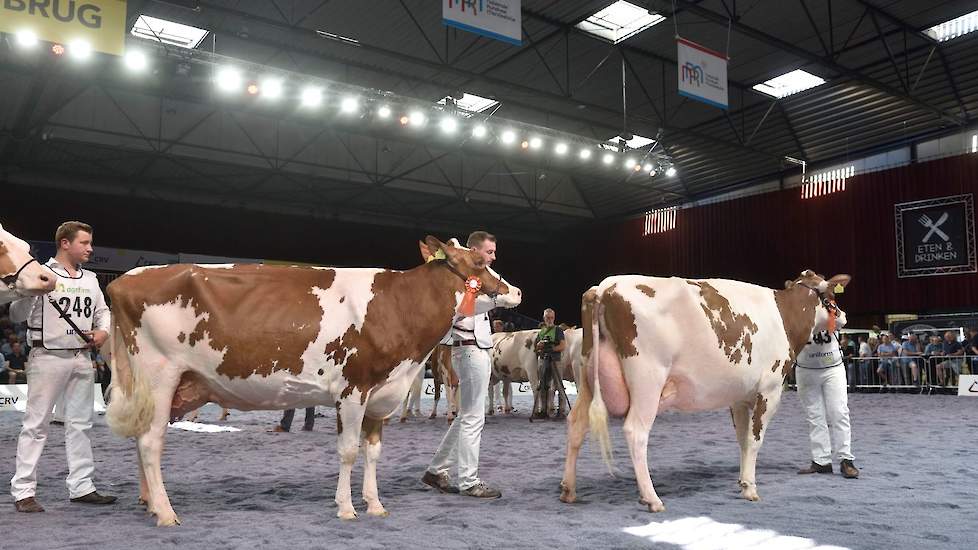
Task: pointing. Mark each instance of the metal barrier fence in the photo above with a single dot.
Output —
(919, 374)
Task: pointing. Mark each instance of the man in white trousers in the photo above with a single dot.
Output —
(60, 364)
(821, 377)
(471, 340)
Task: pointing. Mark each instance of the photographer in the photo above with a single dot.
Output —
(549, 343)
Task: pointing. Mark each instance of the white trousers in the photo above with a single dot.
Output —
(459, 449)
(49, 375)
(823, 395)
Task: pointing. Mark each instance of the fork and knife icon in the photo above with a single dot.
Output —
(934, 227)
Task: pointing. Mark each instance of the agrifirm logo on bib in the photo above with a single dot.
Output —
(498, 19)
(101, 23)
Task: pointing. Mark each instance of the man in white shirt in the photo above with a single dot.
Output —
(821, 378)
(471, 341)
(60, 364)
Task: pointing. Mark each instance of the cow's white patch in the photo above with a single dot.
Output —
(140, 269)
(703, 533)
(215, 266)
(202, 428)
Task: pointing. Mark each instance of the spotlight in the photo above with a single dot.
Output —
(629, 163)
(271, 88)
(652, 173)
(384, 111)
(311, 97)
(608, 158)
(404, 120)
(508, 137)
(228, 79)
(417, 118)
(350, 105)
(252, 89)
(448, 125)
(638, 168)
(585, 154)
(479, 131)
(536, 142)
(26, 38)
(135, 61)
(58, 49)
(648, 167)
(525, 144)
(670, 171)
(561, 149)
(80, 50)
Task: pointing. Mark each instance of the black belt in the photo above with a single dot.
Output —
(464, 343)
(37, 343)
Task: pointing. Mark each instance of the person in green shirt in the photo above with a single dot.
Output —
(549, 343)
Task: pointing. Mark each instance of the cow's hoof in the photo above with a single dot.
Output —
(655, 506)
(432, 416)
(749, 491)
(567, 496)
(170, 520)
(378, 512)
(142, 501)
(347, 514)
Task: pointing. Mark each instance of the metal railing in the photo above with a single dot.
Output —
(916, 374)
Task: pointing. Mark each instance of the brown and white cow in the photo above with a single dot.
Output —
(689, 345)
(514, 359)
(255, 337)
(22, 275)
(443, 374)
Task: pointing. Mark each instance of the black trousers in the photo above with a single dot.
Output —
(287, 417)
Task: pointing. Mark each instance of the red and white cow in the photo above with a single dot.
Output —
(689, 345)
(443, 374)
(258, 337)
(22, 275)
(515, 360)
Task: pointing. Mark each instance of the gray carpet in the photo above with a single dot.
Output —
(256, 489)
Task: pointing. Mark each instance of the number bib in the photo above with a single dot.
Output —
(821, 352)
(75, 297)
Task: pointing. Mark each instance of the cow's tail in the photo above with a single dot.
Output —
(592, 311)
(130, 409)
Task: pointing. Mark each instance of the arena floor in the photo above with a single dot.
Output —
(253, 489)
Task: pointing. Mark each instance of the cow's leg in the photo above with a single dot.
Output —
(762, 410)
(578, 423)
(491, 399)
(372, 430)
(349, 421)
(638, 423)
(143, 486)
(437, 391)
(151, 453)
(507, 396)
(740, 412)
(405, 407)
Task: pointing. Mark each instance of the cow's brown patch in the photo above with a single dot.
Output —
(181, 337)
(372, 430)
(785, 367)
(588, 302)
(733, 330)
(7, 266)
(442, 370)
(760, 407)
(647, 290)
(620, 320)
(342, 299)
(262, 317)
(527, 343)
(192, 392)
(386, 339)
(796, 305)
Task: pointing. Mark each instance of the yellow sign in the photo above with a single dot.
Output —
(101, 23)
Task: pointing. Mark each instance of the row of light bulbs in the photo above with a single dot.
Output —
(230, 80)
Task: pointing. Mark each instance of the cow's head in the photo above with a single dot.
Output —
(825, 290)
(465, 264)
(21, 274)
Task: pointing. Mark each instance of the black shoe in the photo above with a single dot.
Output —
(28, 505)
(95, 498)
(481, 490)
(816, 468)
(848, 469)
(439, 481)
(57, 422)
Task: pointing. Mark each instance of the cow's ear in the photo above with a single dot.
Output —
(788, 283)
(441, 250)
(839, 280)
(426, 254)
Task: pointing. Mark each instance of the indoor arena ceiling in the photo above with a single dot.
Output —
(171, 135)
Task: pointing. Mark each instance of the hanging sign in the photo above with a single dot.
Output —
(101, 23)
(702, 73)
(498, 19)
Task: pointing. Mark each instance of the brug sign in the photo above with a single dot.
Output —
(102, 23)
(936, 237)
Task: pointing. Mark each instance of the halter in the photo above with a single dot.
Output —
(827, 303)
(492, 294)
(11, 280)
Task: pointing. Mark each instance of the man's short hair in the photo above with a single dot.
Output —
(476, 238)
(548, 310)
(69, 230)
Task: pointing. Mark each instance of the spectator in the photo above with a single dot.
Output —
(7, 346)
(950, 368)
(15, 363)
(909, 352)
(848, 350)
(887, 367)
(933, 350)
(865, 361)
(971, 349)
(497, 325)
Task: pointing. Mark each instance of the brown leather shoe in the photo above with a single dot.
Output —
(481, 490)
(849, 469)
(278, 429)
(94, 498)
(28, 505)
(816, 468)
(439, 481)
